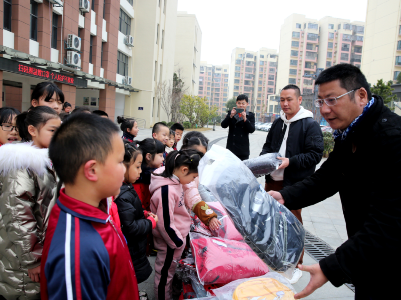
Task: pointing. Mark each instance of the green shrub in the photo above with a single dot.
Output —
(169, 124)
(187, 125)
(164, 122)
(328, 142)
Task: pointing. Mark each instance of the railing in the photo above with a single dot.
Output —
(141, 122)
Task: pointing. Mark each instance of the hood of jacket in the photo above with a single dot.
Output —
(159, 181)
(301, 114)
(20, 156)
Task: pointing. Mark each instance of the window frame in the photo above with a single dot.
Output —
(7, 14)
(124, 23)
(54, 31)
(33, 21)
(121, 57)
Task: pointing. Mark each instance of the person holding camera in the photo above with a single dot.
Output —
(240, 124)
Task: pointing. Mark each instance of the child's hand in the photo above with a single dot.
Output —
(214, 224)
(153, 216)
(34, 274)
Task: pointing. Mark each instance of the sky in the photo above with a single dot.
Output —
(253, 24)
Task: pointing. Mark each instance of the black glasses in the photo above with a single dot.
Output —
(6, 127)
(332, 100)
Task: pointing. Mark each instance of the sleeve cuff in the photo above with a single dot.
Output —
(153, 222)
(145, 212)
(332, 270)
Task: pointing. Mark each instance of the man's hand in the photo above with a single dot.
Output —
(243, 115)
(34, 274)
(214, 224)
(233, 112)
(284, 163)
(277, 196)
(317, 279)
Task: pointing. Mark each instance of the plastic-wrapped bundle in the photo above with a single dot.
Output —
(268, 227)
(219, 260)
(264, 164)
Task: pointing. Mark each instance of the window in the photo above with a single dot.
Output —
(329, 54)
(270, 108)
(247, 82)
(261, 63)
(208, 88)
(104, 8)
(249, 55)
(270, 90)
(260, 75)
(237, 68)
(358, 49)
(250, 63)
(347, 37)
(344, 56)
(347, 26)
(330, 45)
(236, 87)
(249, 69)
(200, 82)
(125, 23)
(297, 25)
(54, 31)
(201, 88)
(331, 26)
(308, 65)
(236, 81)
(396, 73)
(259, 89)
(293, 71)
(360, 29)
(236, 74)
(313, 26)
(101, 55)
(122, 64)
(155, 70)
(157, 34)
(237, 61)
(165, 5)
(291, 80)
(271, 77)
(272, 70)
(90, 49)
(270, 83)
(262, 56)
(295, 44)
(93, 5)
(398, 60)
(261, 69)
(310, 47)
(7, 15)
(345, 47)
(313, 36)
(294, 53)
(398, 47)
(34, 21)
(331, 35)
(161, 46)
(295, 34)
(293, 62)
(217, 90)
(225, 80)
(359, 38)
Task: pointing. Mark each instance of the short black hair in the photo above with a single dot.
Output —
(293, 87)
(66, 104)
(350, 78)
(172, 132)
(242, 97)
(177, 126)
(194, 138)
(177, 159)
(157, 126)
(7, 114)
(126, 123)
(81, 110)
(150, 146)
(82, 137)
(100, 113)
(47, 88)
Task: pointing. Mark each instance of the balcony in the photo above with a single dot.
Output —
(311, 56)
(311, 47)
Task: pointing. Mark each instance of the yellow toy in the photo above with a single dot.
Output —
(263, 289)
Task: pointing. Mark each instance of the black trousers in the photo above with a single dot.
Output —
(242, 157)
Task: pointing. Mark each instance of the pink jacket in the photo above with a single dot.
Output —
(191, 193)
(167, 202)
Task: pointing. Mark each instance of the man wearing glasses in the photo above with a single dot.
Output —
(364, 168)
(299, 140)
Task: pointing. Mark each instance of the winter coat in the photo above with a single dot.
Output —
(167, 202)
(304, 147)
(141, 186)
(364, 169)
(238, 133)
(27, 195)
(135, 228)
(113, 212)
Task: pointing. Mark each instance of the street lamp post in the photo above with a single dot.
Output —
(314, 77)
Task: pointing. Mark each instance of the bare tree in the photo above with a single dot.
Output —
(164, 94)
(178, 91)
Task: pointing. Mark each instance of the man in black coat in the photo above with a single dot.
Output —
(364, 168)
(240, 125)
(299, 140)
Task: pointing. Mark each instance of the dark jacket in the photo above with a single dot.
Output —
(365, 170)
(304, 147)
(135, 228)
(238, 131)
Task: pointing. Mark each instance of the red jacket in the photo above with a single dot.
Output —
(85, 256)
(142, 189)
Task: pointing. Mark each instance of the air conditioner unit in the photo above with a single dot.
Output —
(84, 6)
(58, 2)
(128, 80)
(73, 59)
(129, 40)
(38, 1)
(74, 42)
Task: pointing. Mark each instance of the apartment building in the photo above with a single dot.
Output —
(307, 44)
(381, 55)
(213, 84)
(254, 74)
(188, 41)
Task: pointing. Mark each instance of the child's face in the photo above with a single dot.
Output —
(54, 102)
(178, 135)
(111, 173)
(68, 109)
(41, 138)
(135, 169)
(156, 162)
(162, 135)
(8, 132)
(171, 141)
(134, 130)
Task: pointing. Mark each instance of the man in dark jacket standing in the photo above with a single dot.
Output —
(299, 140)
(364, 168)
(240, 125)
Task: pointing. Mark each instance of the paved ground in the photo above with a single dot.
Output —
(324, 220)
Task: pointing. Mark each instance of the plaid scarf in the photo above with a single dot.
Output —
(343, 133)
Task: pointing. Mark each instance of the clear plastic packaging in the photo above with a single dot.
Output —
(268, 227)
(264, 164)
(220, 261)
(227, 228)
(282, 288)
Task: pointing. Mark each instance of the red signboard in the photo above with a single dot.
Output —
(45, 74)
